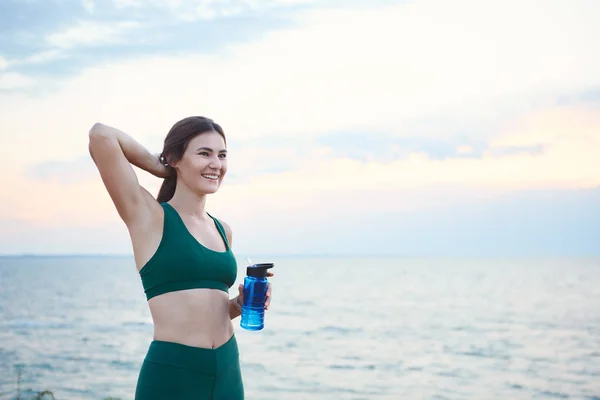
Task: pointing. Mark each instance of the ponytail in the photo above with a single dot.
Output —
(167, 189)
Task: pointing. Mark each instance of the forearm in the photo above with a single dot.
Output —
(234, 311)
(135, 153)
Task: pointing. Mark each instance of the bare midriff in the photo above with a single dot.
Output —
(194, 317)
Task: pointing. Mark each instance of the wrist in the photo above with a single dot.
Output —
(159, 168)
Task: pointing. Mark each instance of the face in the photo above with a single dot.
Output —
(204, 163)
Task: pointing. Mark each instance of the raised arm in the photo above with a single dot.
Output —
(113, 152)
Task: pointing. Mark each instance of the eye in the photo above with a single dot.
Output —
(203, 153)
(222, 155)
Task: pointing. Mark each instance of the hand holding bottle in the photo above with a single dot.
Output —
(256, 296)
(241, 293)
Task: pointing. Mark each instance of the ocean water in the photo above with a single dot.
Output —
(339, 328)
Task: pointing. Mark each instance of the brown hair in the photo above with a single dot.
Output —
(176, 143)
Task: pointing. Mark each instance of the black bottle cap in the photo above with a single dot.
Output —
(259, 270)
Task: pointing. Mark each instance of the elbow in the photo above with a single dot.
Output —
(94, 135)
(99, 137)
(97, 130)
(100, 133)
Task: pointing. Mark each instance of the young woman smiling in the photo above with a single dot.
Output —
(183, 255)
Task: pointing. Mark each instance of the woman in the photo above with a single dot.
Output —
(183, 255)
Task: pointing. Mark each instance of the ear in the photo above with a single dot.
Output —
(170, 162)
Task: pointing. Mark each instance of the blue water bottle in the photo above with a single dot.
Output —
(255, 296)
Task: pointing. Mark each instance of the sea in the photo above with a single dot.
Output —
(376, 328)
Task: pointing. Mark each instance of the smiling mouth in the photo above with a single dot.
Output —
(210, 177)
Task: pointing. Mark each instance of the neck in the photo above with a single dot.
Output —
(189, 202)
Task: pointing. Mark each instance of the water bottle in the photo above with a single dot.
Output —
(255, 296)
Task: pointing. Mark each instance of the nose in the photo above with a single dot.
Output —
(215, 163)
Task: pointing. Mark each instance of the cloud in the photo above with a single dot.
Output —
(20, 37)
(286, 153)
(587, 96)
(43, 57)
(196, 10)
(91, 33)
(89, 6)
(69, 40)
(137, 3)
(385, 148)
(508, 150)
(13, 80)
(36, 58)
(566, 154)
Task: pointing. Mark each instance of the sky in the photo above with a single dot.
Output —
(418, 128)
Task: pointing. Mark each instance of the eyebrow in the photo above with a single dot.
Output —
(210, 150)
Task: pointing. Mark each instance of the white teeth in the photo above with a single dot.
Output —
(214, 177)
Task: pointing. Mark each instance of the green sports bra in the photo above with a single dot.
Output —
(182, 263)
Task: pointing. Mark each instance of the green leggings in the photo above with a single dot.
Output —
(173, 371)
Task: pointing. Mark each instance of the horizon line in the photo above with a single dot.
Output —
(312, 255)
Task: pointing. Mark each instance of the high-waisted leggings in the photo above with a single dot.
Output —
(173, 371)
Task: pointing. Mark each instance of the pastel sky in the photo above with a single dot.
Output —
(426, 127)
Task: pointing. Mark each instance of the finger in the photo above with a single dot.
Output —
(268, 301)
(270, 274)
